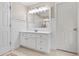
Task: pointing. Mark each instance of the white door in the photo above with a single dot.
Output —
(4, 27)
(66, 27)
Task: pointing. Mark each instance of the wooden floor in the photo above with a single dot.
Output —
(28, 52)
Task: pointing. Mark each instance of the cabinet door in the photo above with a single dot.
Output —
(28, 42)
(31, 42)
(24, 41)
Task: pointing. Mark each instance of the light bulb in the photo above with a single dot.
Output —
(38, 10)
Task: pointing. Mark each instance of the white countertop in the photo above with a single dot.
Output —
(37, 32)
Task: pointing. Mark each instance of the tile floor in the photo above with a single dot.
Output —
(21, 51)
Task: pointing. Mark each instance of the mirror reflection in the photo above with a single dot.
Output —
(38, 19)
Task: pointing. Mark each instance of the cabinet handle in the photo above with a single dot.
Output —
(26, 38)
(40, 36)
(40, 48)
(30, 35)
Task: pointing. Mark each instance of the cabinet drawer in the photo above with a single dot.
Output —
(36, 35)
(28, 35)
(43, 48)
(42, 36)
(42, 41)
(31, 35)
(43, 44)
(24, 35)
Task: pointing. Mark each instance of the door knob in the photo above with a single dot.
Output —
(75, 29)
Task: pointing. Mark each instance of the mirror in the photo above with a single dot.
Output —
(38, 19)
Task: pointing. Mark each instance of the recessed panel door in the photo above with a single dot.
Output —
(4, 27)
(66, 27)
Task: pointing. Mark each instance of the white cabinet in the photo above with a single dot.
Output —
(27, 41)
(36, 41)
(31, 43)
(43, 44)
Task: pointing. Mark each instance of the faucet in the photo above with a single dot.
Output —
(36, 30)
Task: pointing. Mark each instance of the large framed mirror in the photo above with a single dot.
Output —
(38, 19)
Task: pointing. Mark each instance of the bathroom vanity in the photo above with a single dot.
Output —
(39, 41)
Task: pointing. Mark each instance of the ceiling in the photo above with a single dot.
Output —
(27, 3)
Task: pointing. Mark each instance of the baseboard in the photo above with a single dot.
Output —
(68, 51)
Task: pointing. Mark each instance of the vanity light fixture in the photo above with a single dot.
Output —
(41, 9)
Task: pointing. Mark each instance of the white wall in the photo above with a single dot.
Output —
(18, 22)
(19, 15)
(53, 27)
(53, 40)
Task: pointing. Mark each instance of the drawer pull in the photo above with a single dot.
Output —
(30, 35)
(40, 48)
(40, 36)
(26, 38)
